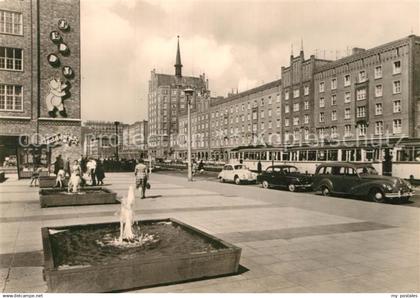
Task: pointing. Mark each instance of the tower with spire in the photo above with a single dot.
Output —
(178, 64)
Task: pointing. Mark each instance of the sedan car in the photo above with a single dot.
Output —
(360, 179)
(237, 173)
(285, 176)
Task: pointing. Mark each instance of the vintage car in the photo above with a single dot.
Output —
(237, 173)
(285, 176)
(360, 179)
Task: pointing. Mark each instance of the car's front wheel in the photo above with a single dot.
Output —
(377, 195)
(325, 191)
(221, 180)
(265, 184)
(237, 180)
(291, 187)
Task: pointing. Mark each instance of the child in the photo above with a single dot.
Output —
(35, 176)
(61, 175)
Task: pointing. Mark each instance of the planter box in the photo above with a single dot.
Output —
(94, 195)
(49, 182)
(142, 271)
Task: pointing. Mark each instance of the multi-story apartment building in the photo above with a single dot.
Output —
(39, 81)
(166, 100)
(298, 97)
(134, 141)
(369, 102)
(100, 138)
(200, 132)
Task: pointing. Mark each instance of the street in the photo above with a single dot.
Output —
(291, 242)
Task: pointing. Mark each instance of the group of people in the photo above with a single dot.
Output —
(84, 166)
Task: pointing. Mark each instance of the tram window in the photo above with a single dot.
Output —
(333, 155)
(311, 155)
(322, 155)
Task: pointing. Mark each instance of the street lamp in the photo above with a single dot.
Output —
(189, 93)
(116, 140)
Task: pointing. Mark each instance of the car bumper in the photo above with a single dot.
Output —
(395, 195)
(304, 186)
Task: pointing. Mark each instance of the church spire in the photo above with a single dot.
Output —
(178, 65)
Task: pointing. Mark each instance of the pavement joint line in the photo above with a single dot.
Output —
(111, 213)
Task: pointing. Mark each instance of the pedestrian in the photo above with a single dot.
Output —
(67, 167)
(141, 173)
(100, 172)
(91, 168)
(58, 164)
(35, 175)
(259, 167)
(201, 166)
(82, 164)
(61, 176)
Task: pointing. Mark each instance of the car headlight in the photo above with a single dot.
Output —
(388, 187)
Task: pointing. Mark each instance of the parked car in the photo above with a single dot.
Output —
(237, 173)
(285, 176)
(360, 179)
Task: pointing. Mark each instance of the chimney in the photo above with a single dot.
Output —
(355, 51)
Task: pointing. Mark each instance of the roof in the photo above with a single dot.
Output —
(167, 80)
(221, 100)
(344, 163)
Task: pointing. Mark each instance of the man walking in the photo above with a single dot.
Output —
(141, 173)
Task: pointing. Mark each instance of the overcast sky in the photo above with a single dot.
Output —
(238, 44)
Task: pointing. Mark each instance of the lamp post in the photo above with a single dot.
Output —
(116, 140)
(189, 93)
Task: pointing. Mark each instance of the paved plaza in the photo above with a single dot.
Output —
(291, 242)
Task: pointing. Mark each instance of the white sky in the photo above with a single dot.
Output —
(238, 44)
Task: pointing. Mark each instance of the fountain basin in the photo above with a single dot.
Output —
(75, 262)
(94, 195)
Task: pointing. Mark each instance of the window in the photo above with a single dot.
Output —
(306, 90)
(321, 117)
(286, 94)
(11, 22)
(361, 129)
(334, 133)
(286, 109)
(262, 101)
(347, 113)
(347, 130)
(270, 125)
(333, 100)
(321, 102)
(306, 105)
(262, 114)
(378, 72)
(334, 115)
(296, 93)
(397, 106)
(278, 98)
(243, 107)
(396, 126)
(306, 133)
(249, 106)
(278, 123)
(278, 111)
(362, 76)
(262, 125)
(396, 87)
(11, 98)
(347, 97)
(379, 127)
(378, 90)
(10, 58)
(286, 122)
(361, 112)
(296, 107)
(361, 94)
(270, 101)
(295, 120)
(396, 67)
(269, 113)
(378, 109)
(248, 117)
(306, 119)
(347, 80)
(254, 115)
(321, 87)
(321, 133)
(333, 84)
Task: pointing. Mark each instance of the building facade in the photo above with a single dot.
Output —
(369, 103)
(134, 140)
(166, 101)
(39, 81)
(100, 139)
